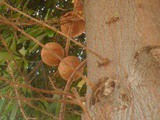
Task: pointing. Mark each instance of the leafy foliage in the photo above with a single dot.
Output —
(20, 62)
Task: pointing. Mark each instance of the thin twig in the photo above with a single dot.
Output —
(70, 30)
(20, 105)
(35, 68)
(35, 89)
(49, 114)
(80, 103)
(40, 99)
(16, 92)
(52, 84)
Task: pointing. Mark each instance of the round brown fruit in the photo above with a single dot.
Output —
(72, 25)
(67, 66)
(78, 6)
(47, 56)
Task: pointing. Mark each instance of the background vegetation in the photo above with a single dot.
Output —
(23, 75)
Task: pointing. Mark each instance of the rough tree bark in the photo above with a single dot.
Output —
(127, 32)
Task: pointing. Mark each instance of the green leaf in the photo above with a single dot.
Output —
(4, 56)
(50, 33)
(7, 56)
(26, 3)
(34, 32)
(13, 44)
(14, 112)
(25, 64)
(8, 108)
(23, 51)
(57, 107)
(2, 8)
(46, 17)
(73, 117)
(5, 90)
(2, 101)
(81, 83)
(35, 46)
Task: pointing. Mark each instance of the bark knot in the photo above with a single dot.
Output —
(102, 90)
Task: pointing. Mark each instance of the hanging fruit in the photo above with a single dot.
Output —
(72, 24)
(66, 67)
(47, 56)
(78, 5)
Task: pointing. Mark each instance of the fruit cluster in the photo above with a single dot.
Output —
(72, 25)
(53, 55)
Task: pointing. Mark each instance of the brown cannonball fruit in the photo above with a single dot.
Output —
(72, 25)
(66, 67)
(78, 5)
(47, 56)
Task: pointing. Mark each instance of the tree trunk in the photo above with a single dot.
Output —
(127, 32)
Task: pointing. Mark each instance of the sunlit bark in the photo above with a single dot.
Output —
(126, 32)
